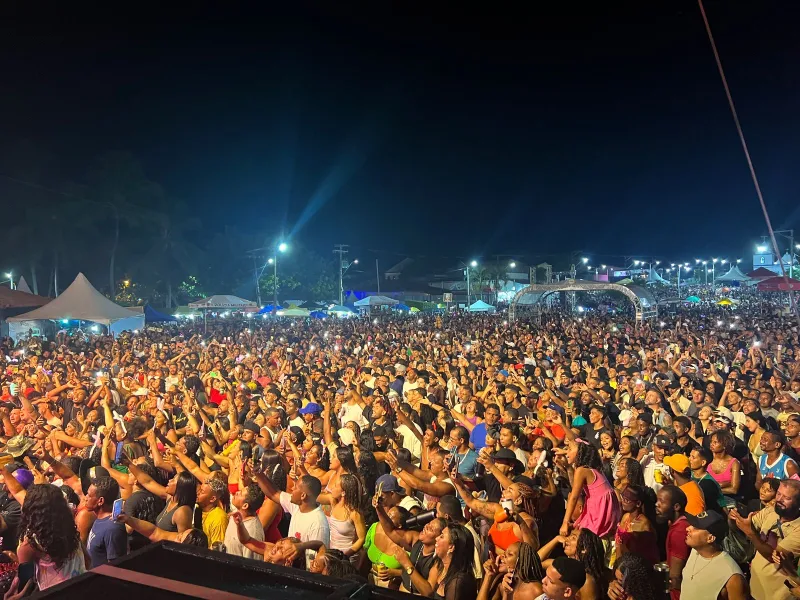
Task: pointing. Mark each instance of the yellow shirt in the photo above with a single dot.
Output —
(215, 522)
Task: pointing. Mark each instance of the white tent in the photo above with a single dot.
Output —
(222, 301)
(733, 275)
(376, 301)
(79, 301)
(22, 286)
(480, 306)
(293, 311)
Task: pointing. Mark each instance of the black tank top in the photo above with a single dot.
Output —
(422, 565)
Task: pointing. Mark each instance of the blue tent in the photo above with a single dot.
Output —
(151, 315)
(269, 308)
(317, 314)
(401, 307)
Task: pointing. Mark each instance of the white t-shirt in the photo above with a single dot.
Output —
(410, 441)
(307, 527)
(232, 543)
(352, 412)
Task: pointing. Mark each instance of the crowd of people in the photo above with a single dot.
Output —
(454, 456)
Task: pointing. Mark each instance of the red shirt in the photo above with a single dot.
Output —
(676, 547)
(216, 396)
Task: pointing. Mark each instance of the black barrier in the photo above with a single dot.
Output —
(215, 571)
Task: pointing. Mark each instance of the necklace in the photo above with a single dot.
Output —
(696, 571)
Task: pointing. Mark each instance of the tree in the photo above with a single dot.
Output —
(117, 189)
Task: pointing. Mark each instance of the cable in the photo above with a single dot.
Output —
(749, 161)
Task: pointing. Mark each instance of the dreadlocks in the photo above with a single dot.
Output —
(528, 497)
(529, 566)
(589, 550)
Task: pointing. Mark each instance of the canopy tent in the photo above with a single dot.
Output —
(402, 307)
(733, 275)
(23, 286)
(338, 308)
(187, 312)
(17, 299)
(79, 301)
(481, 306)
(270, 308)
(653, 277)
(293, 311)
(725, 302)
(376, 301)
(761, 273)
(693, 299)
(223, 301)
(317, 314)
(297, 303)
(151, 315)
(778, 284)
(626, 281)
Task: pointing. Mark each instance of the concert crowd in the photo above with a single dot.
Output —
(450, 456)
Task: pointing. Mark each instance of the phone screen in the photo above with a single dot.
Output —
(119, 504)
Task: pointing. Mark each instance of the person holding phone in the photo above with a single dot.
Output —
(108, 539)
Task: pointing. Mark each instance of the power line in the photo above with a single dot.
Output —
(749, 160)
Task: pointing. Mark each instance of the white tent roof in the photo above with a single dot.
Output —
(339, 308)
(223, 301)
(23, 286)
(376, 301)
(480, 306)
(293, 311)
(733, 275)
(79, 301)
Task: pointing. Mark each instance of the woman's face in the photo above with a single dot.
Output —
(509, 557)
(622, 470)
(172, 485)
(625, 446)
(766, 493)
(572, 453)
(443, 543)
(69, 429)
(571, 544)
(318, 565)
(715, 445)
(335, 464)
(629, 502)
(606, 441)
(705, 413)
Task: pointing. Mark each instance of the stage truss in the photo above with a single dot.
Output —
(644, 303)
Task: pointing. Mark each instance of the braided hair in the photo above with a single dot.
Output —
(529, 497)
(589, 550)
(529, 565)
(638, 575)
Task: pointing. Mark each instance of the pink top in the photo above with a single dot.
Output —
(724, 478)
(601, 512)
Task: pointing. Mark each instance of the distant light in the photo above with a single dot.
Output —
(719, 323)
(731, 326)
(135, 331)
(375, 322)
(512, 264)
(311, 347)
(336, 347)
(65, 321)
(738, 260)
(419, 320)
(270, 260)
(602, 266)
(467, 347)
(282, 247)
(671, 264)
(438, 335)
(283, 340)
(9, 275)
(585, 260)
(636, 262)
(473, 264)
(658, 262)
(724, 260)
(263, 316)
(581, 309)
(505, 322)
(688, 268)
(95, 328)
(761, 248)
(614, 328)
(705, 262)
(696, 260)
(126, 282)
(714, 259)
(325, 335)
(662, 323)
(355, 262)
(98, 374)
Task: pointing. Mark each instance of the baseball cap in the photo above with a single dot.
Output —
(712, 522)
(662, 441)
(387, 483)
(625, 416)
(556, 407)
(310, 409)
(677, 462)
(346, 436)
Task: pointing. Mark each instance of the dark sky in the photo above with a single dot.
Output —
(467, 131)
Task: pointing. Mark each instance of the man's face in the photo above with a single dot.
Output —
(787, 502)
(697, 396)
(680, 428)
(506, 438)
(552, 585)
(491, 416)
(664, 507)
(697, 538)
(642, 427)
(696, 460)
(93, 501)
(248, 436)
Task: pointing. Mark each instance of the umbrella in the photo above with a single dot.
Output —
(725, 302)
(401, 307)
(693, 299)
(317, 314)
(269, 308)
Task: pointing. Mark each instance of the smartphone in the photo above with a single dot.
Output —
(25, 572)
(742, 509)
(119, 504)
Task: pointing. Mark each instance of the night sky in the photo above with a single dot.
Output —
(600, 129)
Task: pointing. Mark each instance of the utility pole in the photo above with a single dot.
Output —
(341, 250)
(378, 276)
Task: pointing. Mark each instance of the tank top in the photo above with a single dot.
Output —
(776, 469)
(705, 577)
(723, 478)
(48, 575)
(422, 565)
(343, 533)
(502, 538)
(164, 520)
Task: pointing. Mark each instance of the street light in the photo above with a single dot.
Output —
(585, 260)
(472, 265)
(512, 264)
(343, 267)
(281, 247)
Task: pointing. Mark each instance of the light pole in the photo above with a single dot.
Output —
(10, 276)
(713, 270)
(472, 265)
(282, 247)
(705, 264)
(343, 267)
